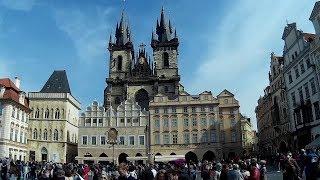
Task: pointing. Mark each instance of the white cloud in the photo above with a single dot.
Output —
(238, 56)
(88, 30)
(21, 5)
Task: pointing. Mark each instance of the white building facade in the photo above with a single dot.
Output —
(14, 114)
(129, 121)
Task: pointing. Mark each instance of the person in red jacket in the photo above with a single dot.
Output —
(254, 171)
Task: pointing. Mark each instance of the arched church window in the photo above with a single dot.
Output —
(165, 60)
(55, 135)
(119, 64)
(57, 115)
(35, 134)
(46, 114)
(117, 101)
(45, 134)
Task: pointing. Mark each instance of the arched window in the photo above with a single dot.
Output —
(55, 135)
(117, 100)
(68, 136)
(40, 134)
(57, 114)
(45, 134)
(46, 114)
(165, 60)
(35, 134)
(37, 114)
(119, 64)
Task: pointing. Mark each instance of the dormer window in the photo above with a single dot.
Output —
(22, 96)
(2, 89)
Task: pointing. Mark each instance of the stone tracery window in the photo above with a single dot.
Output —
(165, 60)
(57, 114)
(35, 134)
(55, 135)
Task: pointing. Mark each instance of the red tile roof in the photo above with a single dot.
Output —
(12, 93)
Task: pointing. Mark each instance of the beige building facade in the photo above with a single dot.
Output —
(201, 127)
(53, 125)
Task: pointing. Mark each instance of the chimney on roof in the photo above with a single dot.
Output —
(17, 82)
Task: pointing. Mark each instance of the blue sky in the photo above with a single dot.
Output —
(224, 44)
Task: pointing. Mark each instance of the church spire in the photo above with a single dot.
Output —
(123, 35)
(163, 30)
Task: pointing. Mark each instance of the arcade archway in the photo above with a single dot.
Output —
(209, 156)
(191, 157)
(122, 158)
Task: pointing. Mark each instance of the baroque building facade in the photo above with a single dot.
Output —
(173, 122)
(14, 114)
(53, 123)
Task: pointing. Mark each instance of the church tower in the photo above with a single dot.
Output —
(121, 56)
(165, 52)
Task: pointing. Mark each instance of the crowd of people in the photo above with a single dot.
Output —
(293, 167)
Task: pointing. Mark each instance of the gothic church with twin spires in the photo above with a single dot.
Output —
(136, 76)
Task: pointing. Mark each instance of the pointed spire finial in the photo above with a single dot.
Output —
(170, 28)
(175, 32)
(110, 39)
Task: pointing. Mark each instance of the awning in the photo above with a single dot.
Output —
(314, 144)
(168, 158)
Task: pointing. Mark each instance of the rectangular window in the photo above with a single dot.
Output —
(11, 134)
(166, 123)
(21, 137)
(129, 120)
(121, 120)
(157, 123)
(103, 140)
(308, 63)
(301, 95)
(316, 109)
(193, 109)
(296, 70)
(156, 111)
(211, 108)
(306, 90)
(203, 122)
(141, 140)
(165, 110)
(290, 77)
(185, 109)
(100, 122)
(203, 109)
(174, 123)
(302, 67)
(121, 140)
(131, 140)
(186, 122)
(174, 138)
(94, 140)
(194, 122)
(233, 137)
(204, 138)
(186, 137)
(94, 122)
(293, 98)
(213, 136)
(16, 136)
(84, 140)
(194, 138)
(173, 109)
(166, 139)
(313, 86)
(157, 138)
(13, 112)
(88, 122)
